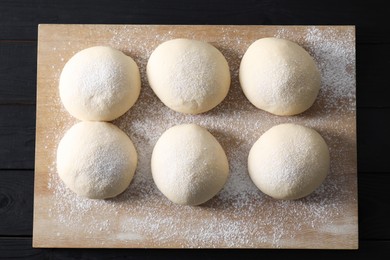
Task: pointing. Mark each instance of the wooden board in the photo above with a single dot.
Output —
(240, 216)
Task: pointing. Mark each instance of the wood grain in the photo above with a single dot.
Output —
(373, 206)
(16, 203)
(373, 140)
(19, 20)
(57, 43)
(20, 248)
(372, 61)
(18, 72)
(17, 136)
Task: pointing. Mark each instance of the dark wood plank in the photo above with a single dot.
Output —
(20, 248)
(19, 19)
(373, 204)
(16, 200)
(373, 139)
(372, 63)
(16, 203)
(18, 72)
(17, 136)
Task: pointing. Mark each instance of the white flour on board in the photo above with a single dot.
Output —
(229, 218)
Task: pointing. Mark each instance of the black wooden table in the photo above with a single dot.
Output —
(18, 49)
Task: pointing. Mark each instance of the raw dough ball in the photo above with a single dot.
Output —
(99, 84)
(188, 76)
(289, 161)
(96, 160)
(279, 76)
(189, 166)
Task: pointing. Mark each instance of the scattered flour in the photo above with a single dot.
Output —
(240, 215)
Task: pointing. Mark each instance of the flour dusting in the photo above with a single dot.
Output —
(240, 215)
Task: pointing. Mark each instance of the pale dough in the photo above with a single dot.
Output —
(189, 166)
(99, 84)
(188, 76)
(289, 161)
(96, 160)
(279, 76)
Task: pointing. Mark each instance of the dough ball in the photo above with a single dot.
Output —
(188, 76)
(189, 166)
(279, 76)
(96, 160)
(99, 84)
(289, 161)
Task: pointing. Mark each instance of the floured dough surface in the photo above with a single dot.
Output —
(188, 76)
(189, 166)
(289, 161)
(99, 84)
(279, 76)
(96, 160)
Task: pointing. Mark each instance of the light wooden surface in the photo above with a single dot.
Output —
(236, 218)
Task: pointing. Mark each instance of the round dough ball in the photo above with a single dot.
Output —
(99, 84)
(279, 76)
(189, 166)
(289, 161)
(188, 76)
(96, 160)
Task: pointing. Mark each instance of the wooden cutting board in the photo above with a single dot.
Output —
(240, 216)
